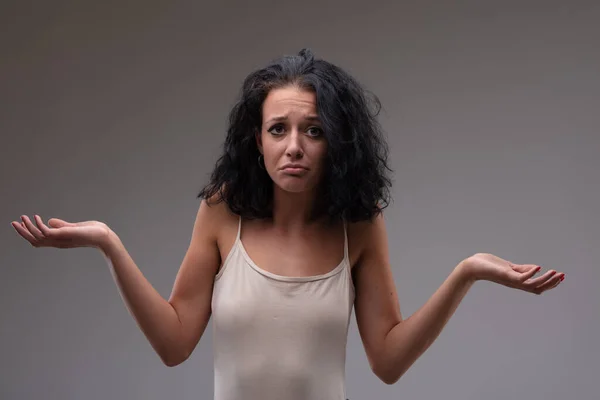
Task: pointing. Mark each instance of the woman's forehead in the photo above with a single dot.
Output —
(283, 103)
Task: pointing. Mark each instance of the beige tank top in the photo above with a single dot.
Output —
(279, 337)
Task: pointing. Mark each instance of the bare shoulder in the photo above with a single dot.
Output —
(218, 213)
(224, 225)
(365, 235)
(214, 222)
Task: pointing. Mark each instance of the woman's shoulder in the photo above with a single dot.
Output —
(219, 210)
(364, 228)
(223, 222)
(361, 235)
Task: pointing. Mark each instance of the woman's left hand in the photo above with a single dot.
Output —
(484, 266)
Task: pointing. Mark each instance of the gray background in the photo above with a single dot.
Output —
(116, 111)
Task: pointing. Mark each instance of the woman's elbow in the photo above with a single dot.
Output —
(388, 379)
(173, 358)
(387, 375)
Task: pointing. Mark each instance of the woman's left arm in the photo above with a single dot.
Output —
(393, 344)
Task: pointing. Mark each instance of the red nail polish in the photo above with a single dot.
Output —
(562, 278)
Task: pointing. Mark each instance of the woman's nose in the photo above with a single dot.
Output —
(294, 148)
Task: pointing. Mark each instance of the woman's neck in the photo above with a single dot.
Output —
(293, 210)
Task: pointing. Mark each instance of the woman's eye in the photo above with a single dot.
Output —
(315, 131)
(274, 129)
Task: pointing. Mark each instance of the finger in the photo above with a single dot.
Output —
(528, 274)
(62, 243)
(47, 232)
(32, 228)
(533, 283)
(549, 284)
(555, 285)
(62, 231)
(22, 230)
(57, 223)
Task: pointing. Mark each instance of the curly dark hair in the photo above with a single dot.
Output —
(355, 185)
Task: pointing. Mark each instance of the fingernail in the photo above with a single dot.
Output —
(562, 278)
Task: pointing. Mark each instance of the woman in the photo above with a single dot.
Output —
(301, 185)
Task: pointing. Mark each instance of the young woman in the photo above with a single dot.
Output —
(288, 238)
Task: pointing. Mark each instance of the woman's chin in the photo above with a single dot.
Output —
(300, 186)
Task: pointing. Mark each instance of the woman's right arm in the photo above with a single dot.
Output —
(172, 327)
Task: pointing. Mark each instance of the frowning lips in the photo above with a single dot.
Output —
(294, 166)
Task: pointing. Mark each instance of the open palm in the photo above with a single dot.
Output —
(484, 266)
(62, 234)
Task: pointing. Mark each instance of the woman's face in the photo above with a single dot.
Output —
(291, 139)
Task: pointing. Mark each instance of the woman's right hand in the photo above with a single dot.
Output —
(62, 234)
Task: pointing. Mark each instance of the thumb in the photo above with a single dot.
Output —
(521, 268)
(58, 223)
(525, 271)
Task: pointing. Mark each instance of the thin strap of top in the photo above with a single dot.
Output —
(345, 235)
(345, 241)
